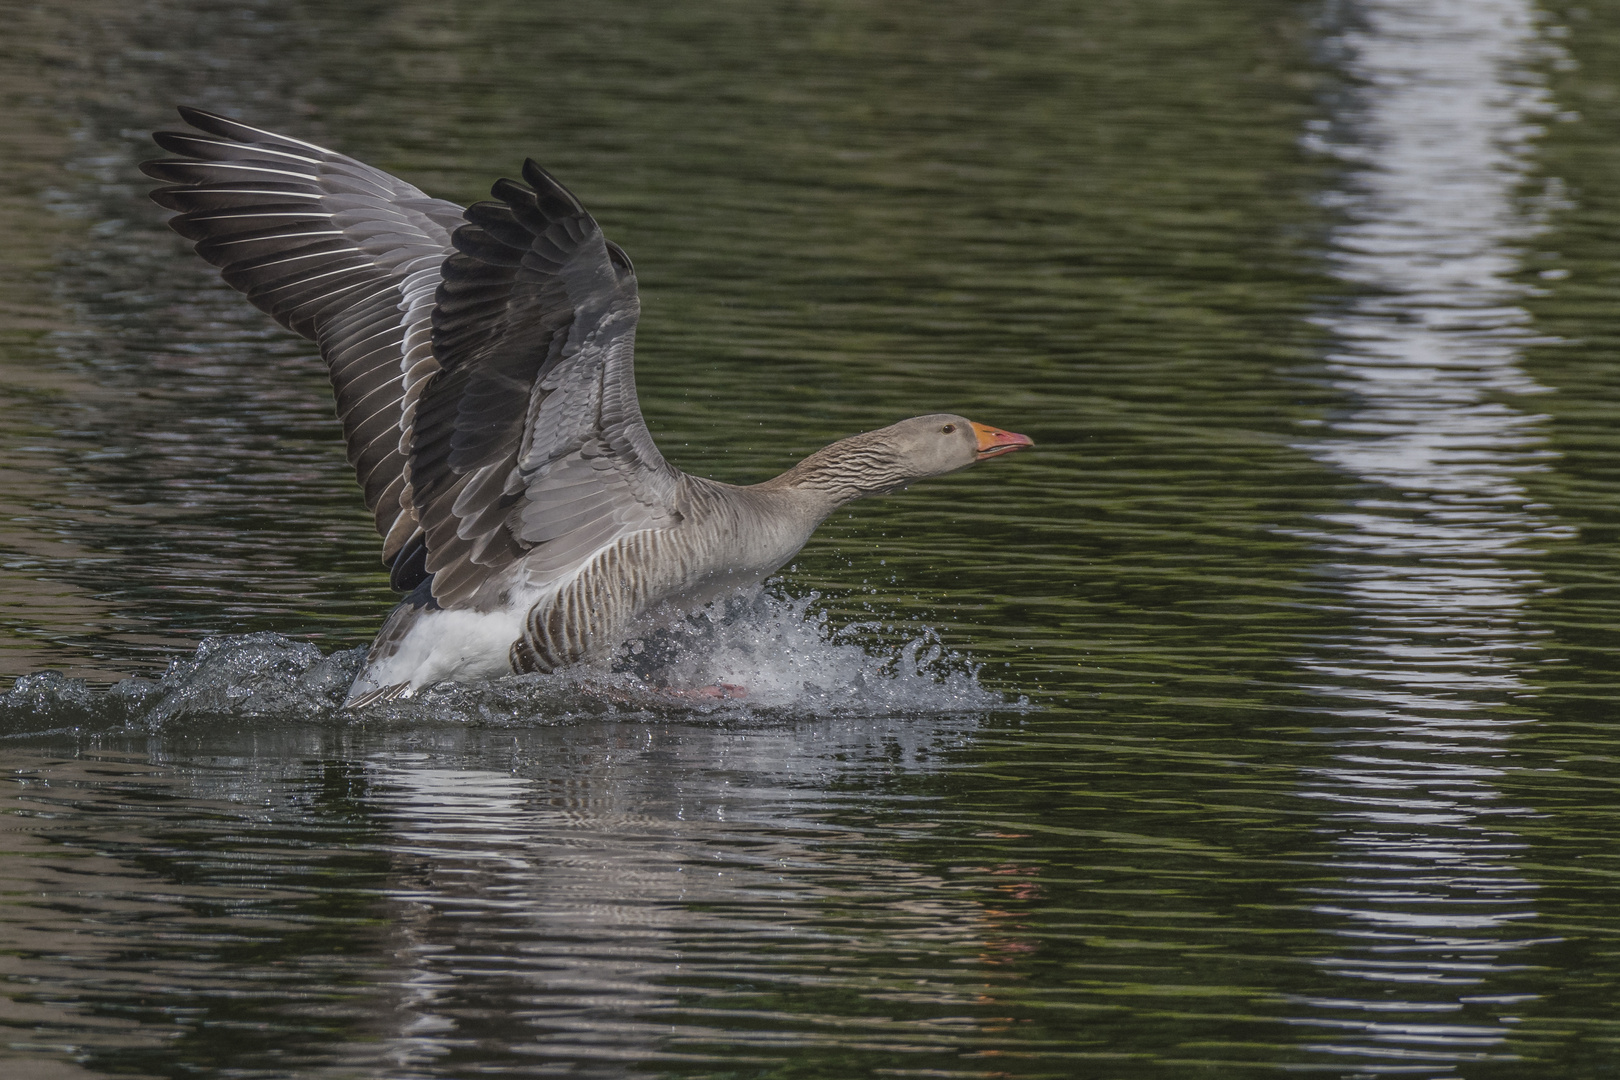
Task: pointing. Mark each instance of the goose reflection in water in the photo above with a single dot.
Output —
(1437, 134)
(482, 361)
(650, 880)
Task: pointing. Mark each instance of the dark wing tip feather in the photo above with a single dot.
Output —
(487, 246)
(622, 266)
(408, 568)
(496, 222)
(172, 141)
(511, 193)
(188, 143)
(201, 119)
(235, 130)
(167, 170)
(548, 187)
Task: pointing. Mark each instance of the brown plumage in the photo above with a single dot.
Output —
(482, 361)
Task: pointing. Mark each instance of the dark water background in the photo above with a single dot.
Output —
(1263, 719)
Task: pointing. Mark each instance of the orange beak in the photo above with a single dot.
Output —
(994, 441)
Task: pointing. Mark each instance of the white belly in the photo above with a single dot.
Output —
(444, 646)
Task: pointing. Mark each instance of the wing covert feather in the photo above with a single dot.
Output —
(529, 443)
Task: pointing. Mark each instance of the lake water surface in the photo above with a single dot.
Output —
(1262, 719)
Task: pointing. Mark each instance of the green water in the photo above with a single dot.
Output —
(1309, 591)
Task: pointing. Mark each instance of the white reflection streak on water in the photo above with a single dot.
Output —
(1436, 133)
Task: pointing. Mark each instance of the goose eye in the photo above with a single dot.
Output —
(948, 428)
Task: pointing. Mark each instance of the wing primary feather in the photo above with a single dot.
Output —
(227, 128)
(335, 250)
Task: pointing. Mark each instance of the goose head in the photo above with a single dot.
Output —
(942, 443)
(888, 459)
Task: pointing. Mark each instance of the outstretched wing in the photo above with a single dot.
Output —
(529, 443)
(339, 252)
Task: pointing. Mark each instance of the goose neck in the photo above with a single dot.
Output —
(847, 470)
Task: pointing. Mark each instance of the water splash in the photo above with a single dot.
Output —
(782, 650)
(785, 651)
(259, 677)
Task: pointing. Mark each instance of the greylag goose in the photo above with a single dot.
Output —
(481, 359)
